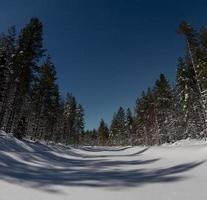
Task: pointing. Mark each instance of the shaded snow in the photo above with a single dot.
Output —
(31, 170)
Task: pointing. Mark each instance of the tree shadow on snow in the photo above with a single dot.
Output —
(98, 149)
(45, 169)
(82, 155)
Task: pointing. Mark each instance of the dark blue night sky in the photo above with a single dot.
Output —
(107, 51)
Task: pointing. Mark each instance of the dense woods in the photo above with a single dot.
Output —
(31, 105)
(30, 101)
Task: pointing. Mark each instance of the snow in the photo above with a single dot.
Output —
(33, 171)
(187, 142)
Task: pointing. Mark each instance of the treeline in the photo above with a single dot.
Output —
(30, 101)
(31, 104)
(166, 113)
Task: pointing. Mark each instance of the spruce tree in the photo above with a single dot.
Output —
(118, 128)
(146, 123)
(70, 119)
(164, 96)
(140, 126)
(79, 123)
(45, 102)
(103, 133)
(151, 119)
(129, 127)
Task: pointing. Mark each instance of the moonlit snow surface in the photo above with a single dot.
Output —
(34, 171)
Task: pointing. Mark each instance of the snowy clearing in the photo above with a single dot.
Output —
(35, 171)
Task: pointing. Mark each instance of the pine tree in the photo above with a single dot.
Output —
(198, 60)
(163, 98)
(118, 128)
(70, 119)
(129, 127)
(7, 54)
(140, 126)
(28, 52)
(103, 133)
(45, 102)
(151, 119)
(146, 123)
(79, 123)
(189, 100)
(30, 103)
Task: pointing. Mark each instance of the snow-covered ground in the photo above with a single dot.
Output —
(35, 171)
